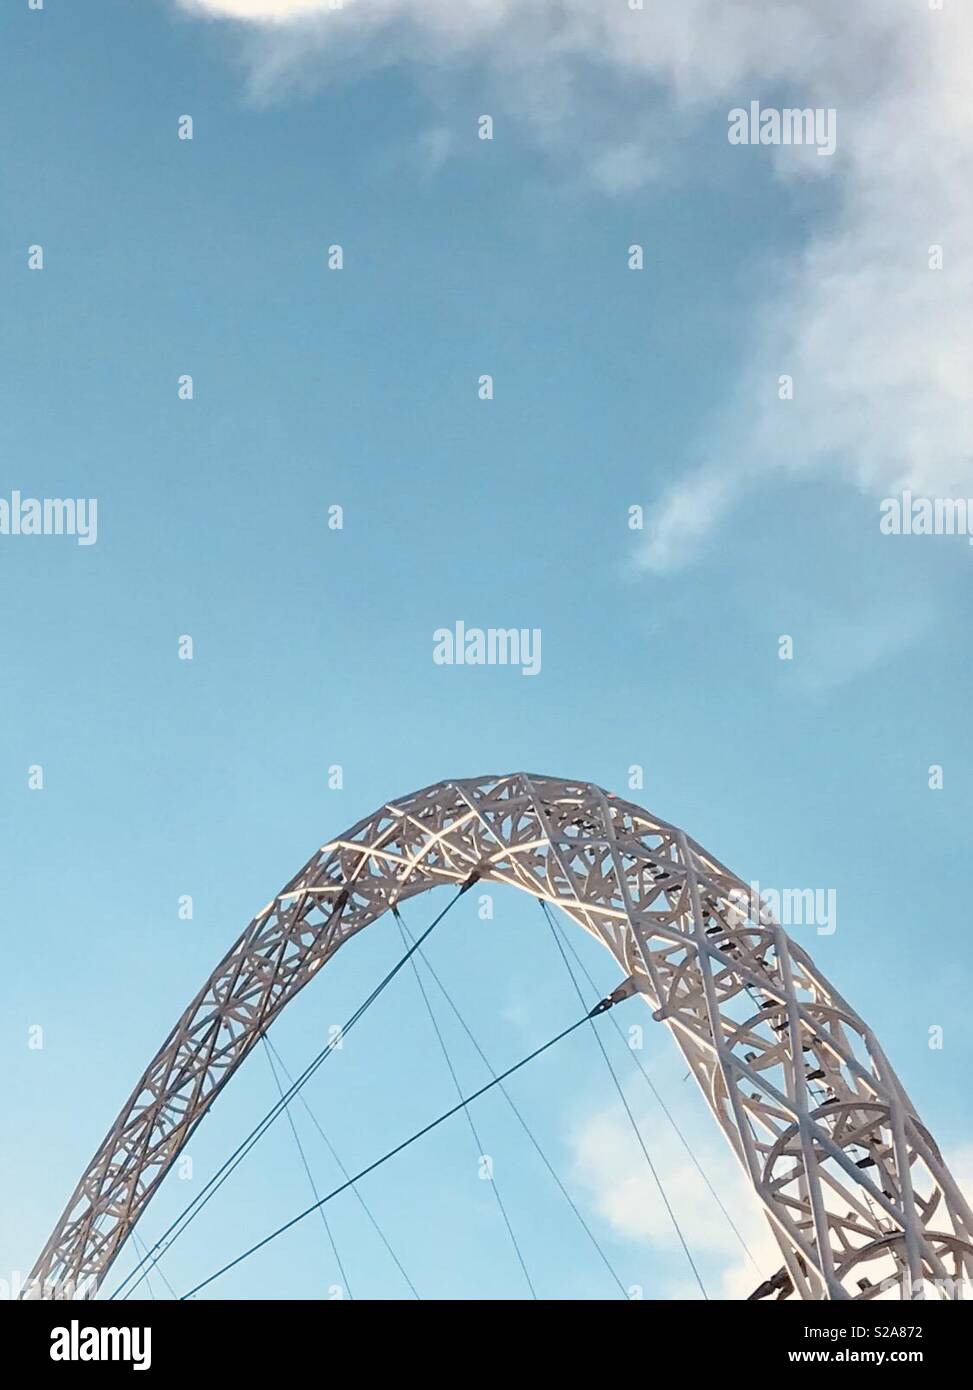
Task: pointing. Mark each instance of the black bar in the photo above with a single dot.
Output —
(285, 1337)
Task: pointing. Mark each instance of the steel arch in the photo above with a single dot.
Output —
(855, 1188)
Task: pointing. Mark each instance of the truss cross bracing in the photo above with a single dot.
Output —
(854, 1187)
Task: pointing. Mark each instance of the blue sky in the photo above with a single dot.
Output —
(313, 647)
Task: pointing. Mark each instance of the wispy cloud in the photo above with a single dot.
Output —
(877, 343)
(683, 518)
(842, 647)
(435, 147)
(610, 1165)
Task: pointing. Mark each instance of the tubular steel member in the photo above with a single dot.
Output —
(854, 1187)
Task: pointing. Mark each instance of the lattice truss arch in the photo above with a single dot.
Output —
(855, 1188)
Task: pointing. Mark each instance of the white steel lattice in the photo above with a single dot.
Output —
(855, 1189)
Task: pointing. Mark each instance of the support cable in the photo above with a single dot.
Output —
(159, 1270)
(148, 1281)
(469, 1118)
(310, 1176)
(391, 1153)
(666, 1111)
(193, 1208)
(344, 1171)
(628, 1110)
(421, 955)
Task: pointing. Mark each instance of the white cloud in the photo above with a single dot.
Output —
(840, 647)
(439, 17)
(610, 1165)
(879, 346)
(261, 11)
(624, 167)
(685, 516)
